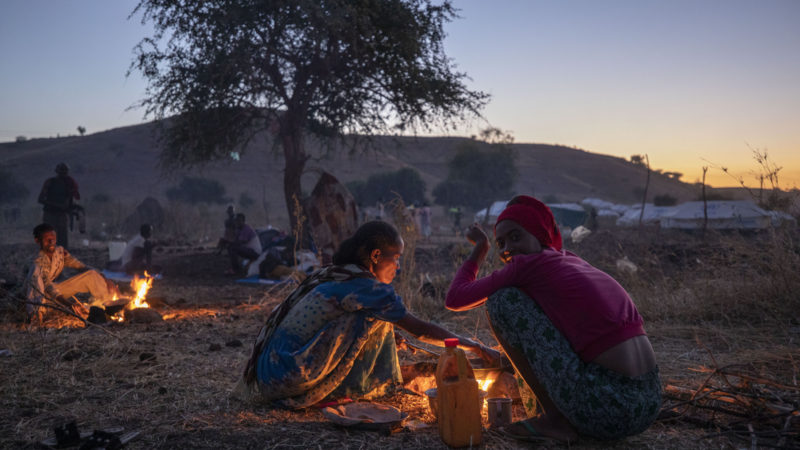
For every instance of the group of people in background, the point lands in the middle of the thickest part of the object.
(59, 196)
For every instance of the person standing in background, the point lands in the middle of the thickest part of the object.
(424, 215)
(57, 197)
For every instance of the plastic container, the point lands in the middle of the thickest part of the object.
(433, 402)
(116, 249)
(459, 407)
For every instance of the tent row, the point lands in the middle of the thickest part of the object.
(720, 215)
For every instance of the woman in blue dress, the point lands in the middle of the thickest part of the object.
(334, 335)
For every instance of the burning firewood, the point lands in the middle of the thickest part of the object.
(135, 310)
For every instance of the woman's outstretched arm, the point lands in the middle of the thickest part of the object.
(435, 335)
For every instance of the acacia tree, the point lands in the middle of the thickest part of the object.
(480, 172)
(223, 70)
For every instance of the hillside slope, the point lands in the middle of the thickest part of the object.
(123, 163)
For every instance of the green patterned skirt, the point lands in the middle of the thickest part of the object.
(597, 401)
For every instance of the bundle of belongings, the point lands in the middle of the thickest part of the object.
(280, 259)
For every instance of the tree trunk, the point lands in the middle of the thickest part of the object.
(295, 162)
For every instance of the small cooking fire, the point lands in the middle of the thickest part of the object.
(140, 286)
(486, 383)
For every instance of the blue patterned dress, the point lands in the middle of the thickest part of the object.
(337, 339)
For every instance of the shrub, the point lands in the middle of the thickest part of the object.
(101, 197)
(665, 200)
(198, 190)
(11, 189)
(478, 175)
(246, 201)
(406, 182)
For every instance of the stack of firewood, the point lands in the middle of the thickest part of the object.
(737, 402)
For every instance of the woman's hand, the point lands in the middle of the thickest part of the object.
(491, 356)
(476, 236)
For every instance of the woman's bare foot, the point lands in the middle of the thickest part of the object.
(542, 427)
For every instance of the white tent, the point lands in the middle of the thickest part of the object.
(782, 219)
(722, 215)
(494, 211)
(603, 205)
(607, 218)
(652, 215)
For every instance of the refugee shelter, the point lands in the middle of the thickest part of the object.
(722, 215)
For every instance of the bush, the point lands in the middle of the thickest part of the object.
(198, 190)
(406, 182)
(11, 189)
(665, 200)
(246, 201)
(101, 197)
(714, 196)
(478, 176)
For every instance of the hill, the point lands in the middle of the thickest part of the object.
(122, 164)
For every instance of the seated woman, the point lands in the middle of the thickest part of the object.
(334, 335)
(571, 331)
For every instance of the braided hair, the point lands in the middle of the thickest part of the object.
(372, 235)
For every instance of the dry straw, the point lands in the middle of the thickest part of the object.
(726, 302)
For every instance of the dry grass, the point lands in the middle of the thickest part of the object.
(171, 380)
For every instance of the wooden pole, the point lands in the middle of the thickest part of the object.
(646, 185)
(705, 202)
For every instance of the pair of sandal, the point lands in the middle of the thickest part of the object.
(67, 435)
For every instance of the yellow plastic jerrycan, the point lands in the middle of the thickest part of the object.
(458, 396)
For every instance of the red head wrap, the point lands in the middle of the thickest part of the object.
(535, 217)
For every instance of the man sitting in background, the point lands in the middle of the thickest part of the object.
(138, 255)
(246, 246)
(230, 229)
(48, 265)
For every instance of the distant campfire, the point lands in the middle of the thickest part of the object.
(136, 309)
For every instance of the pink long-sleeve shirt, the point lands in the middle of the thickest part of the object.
(589, 307)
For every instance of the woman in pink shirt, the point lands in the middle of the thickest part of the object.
(571, 331)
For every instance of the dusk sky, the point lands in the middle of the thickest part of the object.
(687, 82)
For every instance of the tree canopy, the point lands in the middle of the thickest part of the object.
(198, 190)
(406, 182)
(223, 70)
(478, 175)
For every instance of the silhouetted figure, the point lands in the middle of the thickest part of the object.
(229, 235)
(246, 246)
(58, 197)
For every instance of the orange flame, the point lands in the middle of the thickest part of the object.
(485, 383)
(141, 286)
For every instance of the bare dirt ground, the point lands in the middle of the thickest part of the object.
(171, 380)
